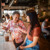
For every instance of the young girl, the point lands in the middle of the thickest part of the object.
(33, 32)
(14, 26)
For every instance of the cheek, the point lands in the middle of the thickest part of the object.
(16, 19)
(28, 20)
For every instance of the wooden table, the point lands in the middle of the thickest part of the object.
(6, 45)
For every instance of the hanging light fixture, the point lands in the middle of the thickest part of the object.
(15, 1)
(11, 3)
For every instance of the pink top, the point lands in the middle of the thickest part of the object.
(16, 34)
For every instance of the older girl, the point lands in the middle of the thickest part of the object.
(33, 32)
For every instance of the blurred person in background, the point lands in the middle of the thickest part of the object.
(3, 17)
(45, 27)
(24, 17)
(14, 26)
(7, 17)
(33, 32)
(38, 15)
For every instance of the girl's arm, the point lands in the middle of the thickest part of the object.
(22, 30)
(36, 34)
(35, 40)
(5, 23)
(22, 27)
(7, 27)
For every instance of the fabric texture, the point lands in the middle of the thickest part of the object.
(31, 48)
(16, 34)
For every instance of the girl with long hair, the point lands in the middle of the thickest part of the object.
(33, 32)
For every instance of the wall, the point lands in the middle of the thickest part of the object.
(0, 8)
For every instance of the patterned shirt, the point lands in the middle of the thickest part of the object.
(14, 28)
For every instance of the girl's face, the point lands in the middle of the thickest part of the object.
(28, 19)
(15, 17)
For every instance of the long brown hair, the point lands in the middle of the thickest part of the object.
(33, 19)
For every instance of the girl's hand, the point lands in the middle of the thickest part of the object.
(22, 47)
(3, 27)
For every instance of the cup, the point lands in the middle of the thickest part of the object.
(6, 38)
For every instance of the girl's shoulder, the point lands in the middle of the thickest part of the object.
(37, 28)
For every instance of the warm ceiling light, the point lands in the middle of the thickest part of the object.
(14, 1)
